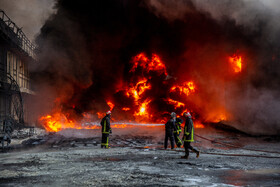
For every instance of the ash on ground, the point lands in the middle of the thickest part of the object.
(137, 158)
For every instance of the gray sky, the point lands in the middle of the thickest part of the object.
(28, 14)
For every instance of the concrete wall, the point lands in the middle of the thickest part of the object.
(18, 69)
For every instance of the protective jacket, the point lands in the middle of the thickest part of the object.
(177, 132)
(188, 130)
(178, 123)
(169, 129)
(105, 123)
(170, 126)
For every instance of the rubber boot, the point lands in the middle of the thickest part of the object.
(186, 154)
(197, 152)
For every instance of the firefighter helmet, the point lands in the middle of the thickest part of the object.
(173, 114)
(187, 114)
(108, 112)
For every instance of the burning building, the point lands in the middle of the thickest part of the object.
(145, 59)
(16, 55)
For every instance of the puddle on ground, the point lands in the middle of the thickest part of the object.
(99, 159)
(251, 177)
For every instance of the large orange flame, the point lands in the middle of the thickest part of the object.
(110, 104)
(137, 90)
(236, 63)
(219, 117)
(176, 104)
(185, 88)
(142, 111)
(58, 122)
(126, 109)
(198, 125)
(153, 64)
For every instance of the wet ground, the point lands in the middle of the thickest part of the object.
(136, 158)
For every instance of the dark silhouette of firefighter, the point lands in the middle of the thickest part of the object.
(7, 132)
(177, 132)
(188, 136)
(106, 130)
(169, 131)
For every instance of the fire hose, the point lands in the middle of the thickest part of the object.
(231, 145)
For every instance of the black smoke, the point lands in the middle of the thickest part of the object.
(86, 47)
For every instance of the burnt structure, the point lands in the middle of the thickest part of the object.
(16, 54)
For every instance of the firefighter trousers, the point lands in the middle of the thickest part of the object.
(169, 136)
(177, 140)
(105, 140)
(188, 147)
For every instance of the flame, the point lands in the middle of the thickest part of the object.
(185, 111)
(56, 122)
(111, 105)
(137, 90)
(100, 114)
(217, 115)
(198, 125)
(220, 117)
(126, 109)
(186, 88)
(153, 64)
(121, 126)
(59, 121)
(142, 111)
(236, 63)
(176, 104)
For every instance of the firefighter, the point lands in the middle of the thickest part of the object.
(169, 130)
(177, 132)
(188, 136)
(106, 130)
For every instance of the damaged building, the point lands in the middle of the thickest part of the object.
(16, 55)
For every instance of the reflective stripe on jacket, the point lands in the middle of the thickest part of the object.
(178, 123)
